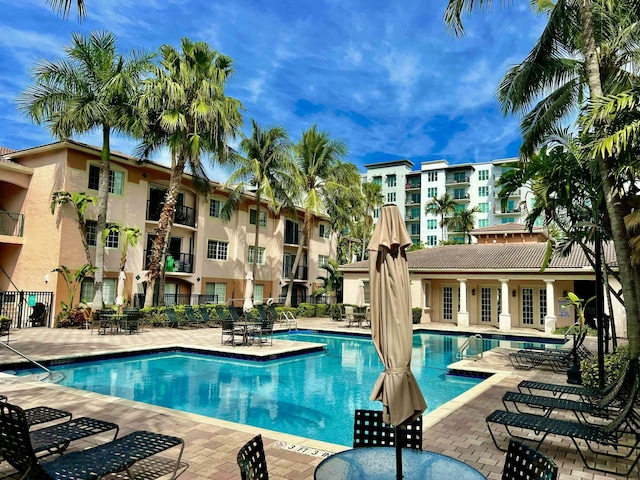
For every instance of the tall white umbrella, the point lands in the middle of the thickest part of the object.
(248, 293)
(120, 288)
(360, 297)
(391, 324)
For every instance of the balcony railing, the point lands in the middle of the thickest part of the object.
(292, 237)
(179, 262)
(457, 180)
(178, 299)
(410, 185)
(182, 216)
(505, 211)
(11, 224)
(303, 272)
(461, 197)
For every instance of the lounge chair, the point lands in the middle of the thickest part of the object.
(370, 431)
(5, 328)
(608, 439)
(222, 313)
(524, 462)
(172, 317)
(207, 320)
(18, 447)
(252, 460)
(193, 320)
(39, 415)
(557, 359)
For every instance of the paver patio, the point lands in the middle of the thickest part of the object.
(456, 429)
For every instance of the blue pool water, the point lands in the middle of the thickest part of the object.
(312, 395)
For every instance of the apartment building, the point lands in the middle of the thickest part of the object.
(470, 185)
(210, 258)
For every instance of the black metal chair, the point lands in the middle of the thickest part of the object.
(5, 328)
(132, 324)
(252, 460)
(38, 317)
(369, 430)
(526, 463)
(17, 447)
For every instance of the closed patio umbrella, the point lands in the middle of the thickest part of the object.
(120, 289)
(391, 324)
(360, 297)
(248, 293)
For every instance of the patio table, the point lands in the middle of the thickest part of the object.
(246, 325)
(379, 463)
(112, 321)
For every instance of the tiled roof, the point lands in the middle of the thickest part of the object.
(493, 257)
(4, 151)
(506, 228)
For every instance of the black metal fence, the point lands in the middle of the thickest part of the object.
(177, 299)
(27, 309)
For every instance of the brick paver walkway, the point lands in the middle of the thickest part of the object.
(457, 429)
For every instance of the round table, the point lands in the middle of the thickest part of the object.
(379, 463)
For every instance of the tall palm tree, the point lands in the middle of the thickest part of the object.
(79, 202)
(265, 166)
(94, 88)
(441, 207)
(187, 110)
(64, 7)
(463, 221)
(373, 199)
(318, 160)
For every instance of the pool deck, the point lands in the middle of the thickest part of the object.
(456, 429)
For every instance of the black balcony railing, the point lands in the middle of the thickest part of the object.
(303, 272)
(11, 224)
(182, 216)
(292, 237)
(176, 262)
(177, 299)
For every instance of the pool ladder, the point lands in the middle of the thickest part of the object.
(476, 342)
(49, 377)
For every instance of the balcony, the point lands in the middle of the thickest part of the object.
(505, 211)
(303, 272)
(412, 186)
(292, 237)
(182, 216)
(179, 263)
(458, 180)
(516, 193)
(461, 198)
(412, 201)
(412, 218)
(11, 224)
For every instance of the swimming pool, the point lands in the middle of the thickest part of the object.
(313, 395)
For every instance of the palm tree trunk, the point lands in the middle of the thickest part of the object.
(82, 226)
(103, 202)
(308, 216)
(255, 242)
(613, 201)
(163, 234)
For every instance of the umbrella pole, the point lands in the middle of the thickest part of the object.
(398, 433)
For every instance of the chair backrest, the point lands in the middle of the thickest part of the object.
(524, 462)
(15, 442)
(233, 311)
(39, 310)
(273, 312)
(222, 315)
(252, 460)
(5, 326)
(348, 313)
(369, 430)
(263, 315)
(204, 313)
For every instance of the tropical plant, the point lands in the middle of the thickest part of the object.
(79, 202)
(441, 207)
(63, 7)
(185, 109)
(372, 193)
(130, 237)
(94, 88)
(463, 221)
(344, 208)
(267, 169)
(320, 168)
(332, 283)
(72, 281)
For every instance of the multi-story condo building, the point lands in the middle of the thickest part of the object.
(470, 185)
(211, 258)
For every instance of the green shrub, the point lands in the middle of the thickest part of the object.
(591, 332)
(306, 310)
(321, 309)
(613, 365)
(416, 314)
(153, 316)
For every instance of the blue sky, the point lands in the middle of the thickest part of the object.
(386, 77)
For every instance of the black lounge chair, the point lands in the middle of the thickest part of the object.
(5, 328)
(39, 415)
(252, 460)
(558, 359)
(206, 318)
(524, 462)
(172, 317)
(608, 439)
(193, 320)
(17, 446)
(222, 313)
(558, 390)
(369, 430)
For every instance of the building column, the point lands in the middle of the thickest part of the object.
(463, 313)
(504, 318)
(550, 319)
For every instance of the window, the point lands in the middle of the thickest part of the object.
(414, 198)
(459, 193)
(460, 177)
(113, 239)
(484, 207)
(92, 229)
(432, 240)
(413, 214)
(217, 290)
(252, 256)
(483, 175)
(459, 208)
(483, 222)
(258, 294)
(483, 191)
(432, 192)
(391, 180)
(432, 224)
(108, 291)
(322, 260)
(376, 212)
(214, 208)
(324, 231)
(377, 180)
(263, 218)
(508, 220)
(432, 176)
(217, 250)
(391, 197)
(116, 180)
(415, 229)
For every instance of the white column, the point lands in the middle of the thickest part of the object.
(504, 318)
(550, 319)
(463, 313)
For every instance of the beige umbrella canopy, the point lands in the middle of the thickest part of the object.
(391, 322)
(248, 293)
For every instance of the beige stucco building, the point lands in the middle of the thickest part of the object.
(211, 257)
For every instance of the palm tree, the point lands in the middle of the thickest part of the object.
(441, 207)
(64, 7)
(318, 160)
(597, 31)
(463, 221)
(186, 109)
(131, 236)
(373, 199)
(267, 169)
(94, 88)
(80, 202)
(332, 283)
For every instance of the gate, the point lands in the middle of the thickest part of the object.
(27, 309)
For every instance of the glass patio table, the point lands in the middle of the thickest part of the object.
(379, 463)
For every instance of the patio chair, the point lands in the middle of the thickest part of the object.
(236, 313)
(172, 317)
(369, 430)
(17, 446)
(132, 323)
(38, 317)
(557, 359)
(252, 460)
(349, 315)
(5, 328)
(230, 332)
(192, 318)
(558, 390)
(222, 313)
(264, 333)
(524, 462)
(206, 319)
(39, 415)
(607, 439)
